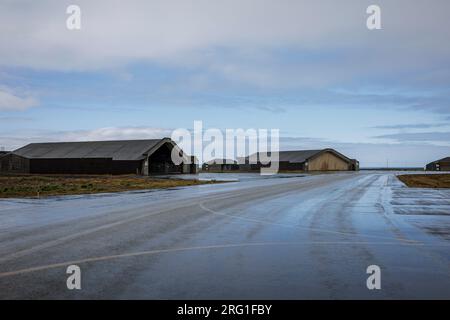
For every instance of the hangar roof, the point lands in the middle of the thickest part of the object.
(299, 156)
(447, 159)
(117, 150)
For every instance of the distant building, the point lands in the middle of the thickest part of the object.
(354, 166)
(220, 165)
(439, 165)
(144, 157)
(305, 160)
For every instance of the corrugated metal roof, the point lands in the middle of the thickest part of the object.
(294, 156)
(297, 156)
(117, 150)
(447, 159)
(300, 156)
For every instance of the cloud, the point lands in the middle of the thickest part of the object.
(412, 126)
(115, 133)
(16, 139)
(421, 99)
(11, 101)
(260, 42)
(418, 136)
(16, 119)
(287, 54)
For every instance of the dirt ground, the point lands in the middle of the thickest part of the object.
(39, 185)
(426, 180)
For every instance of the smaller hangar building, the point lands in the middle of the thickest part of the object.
(144, 157)
(307, 160)
(439, 165)
(219, 165)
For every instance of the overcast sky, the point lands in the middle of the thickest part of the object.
(139, 69)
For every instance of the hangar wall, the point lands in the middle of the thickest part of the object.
(12, 163)
(71, 166)
(126, 167)
(327, 161)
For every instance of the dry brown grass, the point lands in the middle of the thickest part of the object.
(38, 185)
(426, 180)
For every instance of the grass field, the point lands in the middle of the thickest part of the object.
(38, 186)
(426, 180)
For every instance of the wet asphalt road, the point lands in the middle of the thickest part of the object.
(260, 238)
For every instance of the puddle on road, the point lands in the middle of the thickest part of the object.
(427, 209)
(438, 230)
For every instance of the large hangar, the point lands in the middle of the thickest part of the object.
(306, 160)
(144, 157)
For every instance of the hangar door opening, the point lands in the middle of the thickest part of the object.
(160, 162)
